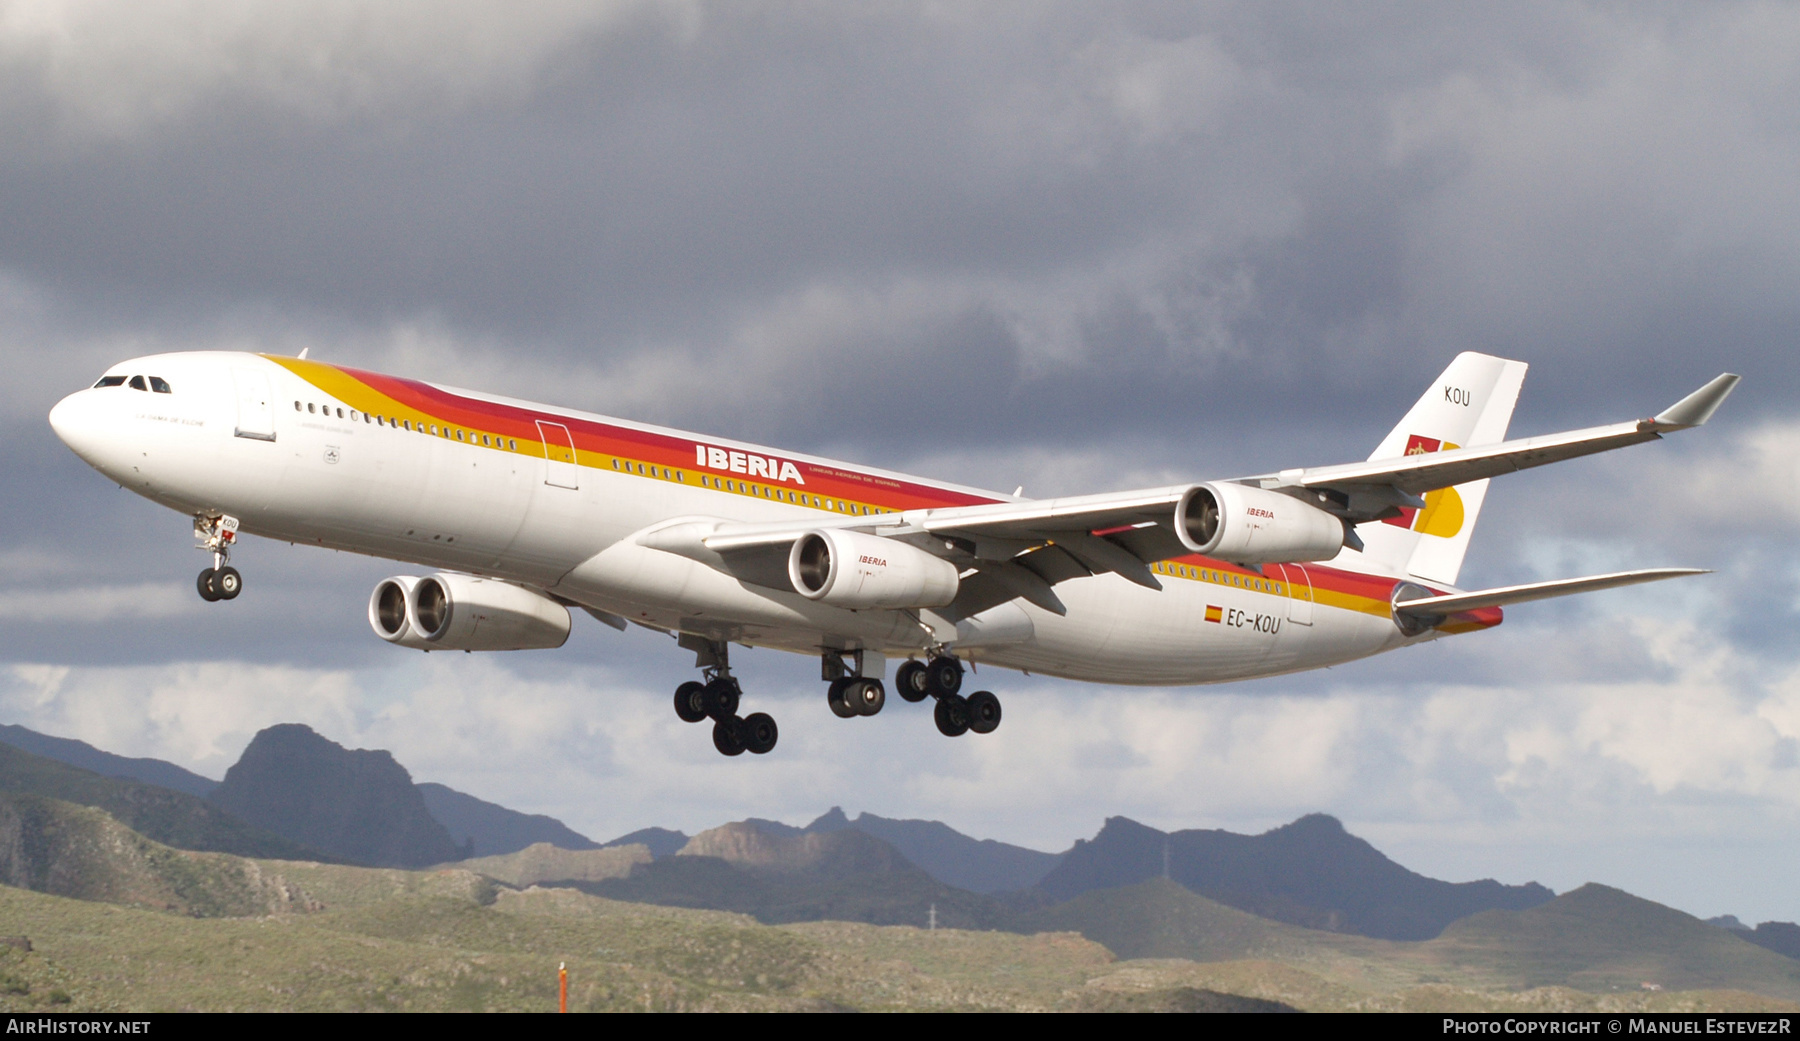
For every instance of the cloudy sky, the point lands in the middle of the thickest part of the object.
(1076, 247)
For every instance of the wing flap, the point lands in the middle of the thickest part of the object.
(1045, 518)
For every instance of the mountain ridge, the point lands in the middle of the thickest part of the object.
(357, 804)
(1311, 872)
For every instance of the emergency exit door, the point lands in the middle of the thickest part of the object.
(560, 470)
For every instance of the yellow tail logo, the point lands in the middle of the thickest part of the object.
(1443, 512)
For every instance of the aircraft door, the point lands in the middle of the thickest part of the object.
(1300, 593)
(255, 405)
(560, 470)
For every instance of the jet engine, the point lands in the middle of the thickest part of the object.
(449, 612)
(387, 611)
(1248, 525)
(856, 571)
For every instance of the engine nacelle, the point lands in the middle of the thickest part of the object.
(851, 570)
(1248, 525)
(387, 611)
(448, 612)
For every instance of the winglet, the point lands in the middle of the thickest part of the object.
(1697, 407)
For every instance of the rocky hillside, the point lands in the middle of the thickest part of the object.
(544, 863)
(355, 804)
(161, 814)
(77, 851)
(799, 877)
(1311, 873)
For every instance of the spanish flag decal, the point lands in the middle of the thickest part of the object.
(1213, 614)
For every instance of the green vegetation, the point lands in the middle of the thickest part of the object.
(542, 862)
(77, 851)
(448, 941)
(1591, 945)
(117, 921)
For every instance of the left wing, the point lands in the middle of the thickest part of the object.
(1009, 550)
(1412, 475)
(1015, 549)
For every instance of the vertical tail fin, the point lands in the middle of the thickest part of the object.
(1470, 404)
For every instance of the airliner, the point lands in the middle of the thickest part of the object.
(519, 512)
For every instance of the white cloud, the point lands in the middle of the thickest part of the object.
(1577, 769)
(144, 600)
(198, 715)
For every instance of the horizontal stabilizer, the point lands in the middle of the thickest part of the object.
(1454, 602)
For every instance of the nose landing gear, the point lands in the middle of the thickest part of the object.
(216, 534)
(717, 699)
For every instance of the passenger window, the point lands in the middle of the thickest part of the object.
(111, 381)
(340, 413)
(407, 423)
(459, 436)
(296, 406)
(160, 385)
(310, 407)
(514, 445)
(137, 383)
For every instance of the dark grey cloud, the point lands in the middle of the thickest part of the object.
(1208, 239)
(1080, 209)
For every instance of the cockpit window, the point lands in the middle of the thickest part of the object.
(160, 385)
(137, 383)
(111, 381)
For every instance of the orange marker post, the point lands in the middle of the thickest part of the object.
(562, 986)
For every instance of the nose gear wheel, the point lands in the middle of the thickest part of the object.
(217, 535)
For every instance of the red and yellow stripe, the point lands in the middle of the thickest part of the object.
(609, 446)
(837, 489)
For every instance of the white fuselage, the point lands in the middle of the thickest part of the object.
(557, 500)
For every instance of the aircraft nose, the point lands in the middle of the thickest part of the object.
(76, 423)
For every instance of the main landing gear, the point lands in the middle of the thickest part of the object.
(853, 691)
(216, 534)
(717, 699)
(941, 678)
